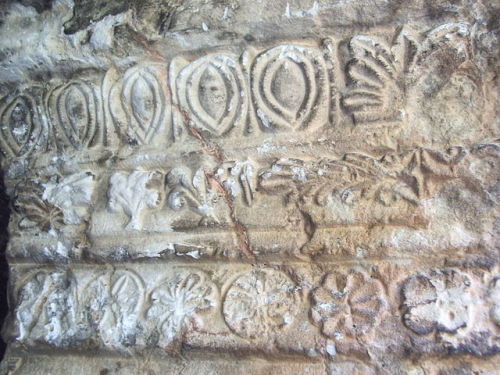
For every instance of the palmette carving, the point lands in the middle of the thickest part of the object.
(383, 75)
(133, 193)
(377, 75)
(213, 92)
(178, 303)
(260, 303)
(437, 302)
(289, 87)
(347, 305)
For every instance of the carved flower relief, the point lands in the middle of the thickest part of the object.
(440, 302)
(72, 194)
(47, 307)
(33, 210)
(494, 298)
(260, 302)
(50, 204)
(178, 303)
(133, 193)
(347, 304)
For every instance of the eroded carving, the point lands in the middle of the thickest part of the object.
(113, 305)
(494, 298)
(437, 302)
(46, 308)
(240, 179)
(48, 204)
(178, 303)
(260, 303)
(347, 305)
(20, 125)
(358, 188)
(192, 191)
(139, 105)
(33, 210)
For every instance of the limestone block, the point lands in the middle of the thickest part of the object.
(234, 187)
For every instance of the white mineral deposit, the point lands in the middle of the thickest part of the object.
(251, 187)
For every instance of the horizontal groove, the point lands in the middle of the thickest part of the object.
(262, 260)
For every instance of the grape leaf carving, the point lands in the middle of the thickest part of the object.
(133, 193)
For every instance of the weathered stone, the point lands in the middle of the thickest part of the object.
(268, 187)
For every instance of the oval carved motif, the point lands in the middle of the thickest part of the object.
(73, 108)
(140, 102)
(287, 85)
(20, 126)
(211, 89)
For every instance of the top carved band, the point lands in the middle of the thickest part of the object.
(286, 88)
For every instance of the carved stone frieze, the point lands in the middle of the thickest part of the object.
(285, 187)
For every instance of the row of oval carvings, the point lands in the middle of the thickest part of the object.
(287, 88)
(211, 91)
(346, 306)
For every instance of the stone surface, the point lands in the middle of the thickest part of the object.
(251, 186)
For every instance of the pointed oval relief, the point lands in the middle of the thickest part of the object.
(142, 97)
(289, 87)
(20, 126)
(143, 103)
(73, 108)
(212, 91)
(287, 84)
